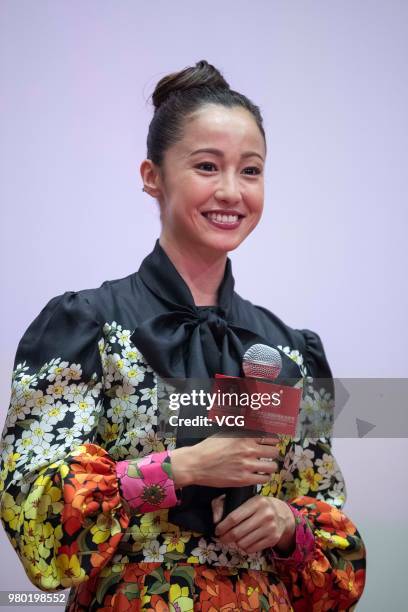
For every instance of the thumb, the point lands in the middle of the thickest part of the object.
(218, 508)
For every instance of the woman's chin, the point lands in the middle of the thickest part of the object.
(223, 245)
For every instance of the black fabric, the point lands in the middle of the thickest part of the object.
(182, 340)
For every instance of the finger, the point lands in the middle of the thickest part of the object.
(264, 467)
(234, 518)
(257, 546)
(250, 537)
(258, 478)
(267, 440)
(244, 530)
(266, 450)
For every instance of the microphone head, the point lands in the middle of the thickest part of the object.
(262, 361)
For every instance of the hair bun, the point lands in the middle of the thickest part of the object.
(202, 74)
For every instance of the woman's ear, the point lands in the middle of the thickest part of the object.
(151, 177)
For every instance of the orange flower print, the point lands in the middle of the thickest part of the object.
(350, 581)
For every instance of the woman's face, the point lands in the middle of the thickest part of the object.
(212, 181)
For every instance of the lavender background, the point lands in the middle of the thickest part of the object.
(331, 80)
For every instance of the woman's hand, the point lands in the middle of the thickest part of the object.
(260, 522)
(225, 462)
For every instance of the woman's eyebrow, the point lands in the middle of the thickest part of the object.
(221, 154)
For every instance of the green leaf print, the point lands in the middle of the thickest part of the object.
(105, 584)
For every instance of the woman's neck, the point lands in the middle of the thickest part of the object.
(203, 275)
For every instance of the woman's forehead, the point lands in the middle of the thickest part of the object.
(215, 125)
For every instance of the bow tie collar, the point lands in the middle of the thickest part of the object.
(180, 339)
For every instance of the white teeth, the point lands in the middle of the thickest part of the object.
(220, 218)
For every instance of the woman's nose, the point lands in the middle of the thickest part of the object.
(228, 189)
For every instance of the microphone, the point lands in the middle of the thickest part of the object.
(262, 361)
(259, 361)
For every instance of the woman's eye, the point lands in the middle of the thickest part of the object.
(209, 166)
(206, 166)
(255, 170)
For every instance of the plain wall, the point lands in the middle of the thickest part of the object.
(330, 251)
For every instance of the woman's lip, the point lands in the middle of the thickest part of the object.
(223, 212)
(224, 226)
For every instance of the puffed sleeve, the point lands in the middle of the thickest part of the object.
(328, 561)
(62, 503)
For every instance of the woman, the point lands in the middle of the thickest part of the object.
(92, 497)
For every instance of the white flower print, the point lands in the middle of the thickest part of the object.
(84, 405)
(51, 413)
(205, 551)
(42, 458)
(303, 458)
(150, 419)
(57, 388)
(73, 372)
(309, 407)
(69, 434)
(117, 411)
(130, 437)
(324, 401)
(18, 407)
(149, 394)
(123, 337)
(124, 405)
(338, 493)
(109, 371)
(25, 444)
(324, 484)
(285, 476)
(41, 433)
(38, 401)
(223, 561)
(230, 555)
(28, 381)
(295, 355)
(132, 354)
(119, 362)
(254, 560)
(303, 441)
(229, 558)
(138, 412)
(35, 439)
(133, 373)
(125, 392)
(57, 370)
(327, 465)
(85, 421)
(110, 331)
(74, 392)
(7, 444)
(151, 443)
(154, 552)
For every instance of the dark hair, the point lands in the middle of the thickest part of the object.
(179, 94)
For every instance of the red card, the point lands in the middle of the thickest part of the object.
(266, 407)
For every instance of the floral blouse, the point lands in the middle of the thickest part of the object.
(86, 481)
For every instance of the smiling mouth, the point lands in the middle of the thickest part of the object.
(225, 218)
(223, 221)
